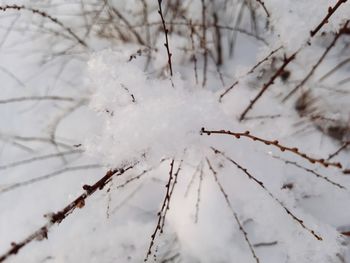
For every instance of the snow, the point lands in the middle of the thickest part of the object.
(126, 109)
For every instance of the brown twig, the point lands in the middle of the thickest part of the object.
(310, 171)
(204, 43)
(343, 147)
(307, 77)
(261, 184)
(128, 25)
(48, 176)
(331, 11)
(161, 213)
(198, 200)
(264, 7)
(235, 215)
(176, 174)
(249, 72)
(276, 144)
(45, 15)
(59, 216)
(166, 44)
(217, 40)
(280, 70)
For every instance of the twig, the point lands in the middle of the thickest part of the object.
(343, 147)
(310, 171)
(249, 72)
(128, 25)
(166, 44)
(45, 15)
(235, 215)
(331, 45)
(35, 98)
(199, 166)
(261, 184)
(264, 7)
(38, 158)
(198, 195)
(204, 43)
(331, 11)
(268, 84)
(161, 213)
(59, 216)
(329, 73)
(171, 193)
(276, 144)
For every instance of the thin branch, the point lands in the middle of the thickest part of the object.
(166, 44)
(264, 7)
(59, 216)
(307, 77)
(276, 144)
(268, 84)
(128, 25)
(38, 158)
(36, 98)
(45, 15)
(331, 11)
(198, 195)
(48, 176)
(261, 184)
(343, 147)
(249, 72)
(161, 213)
(310, 171)
(235, 215)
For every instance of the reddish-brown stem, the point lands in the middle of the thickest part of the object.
(235, 215)
(161, 213)
(45, 15)
(268, 84)
(307, 77)
(249, 72)
(166, 44)
(274, 143)
(261, 184)
(331, 11)
(59, 216)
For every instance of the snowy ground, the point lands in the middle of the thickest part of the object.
(82, 110)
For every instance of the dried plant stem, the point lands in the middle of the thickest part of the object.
(48, 176)
(249, 72)
(261, 184)
(310, 171)
(343, 147)
(59, 216)
(161, 214)
(38, 158)
(128, 25)
(45, 15)
(198, 200)
(204, 44)
(307, 77)
(166, 44)
(331, 11)
(268, 84)
(264, 7)
(235, 215)
(35, 98)
(276, 144)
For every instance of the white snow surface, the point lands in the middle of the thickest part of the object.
(125, 109)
